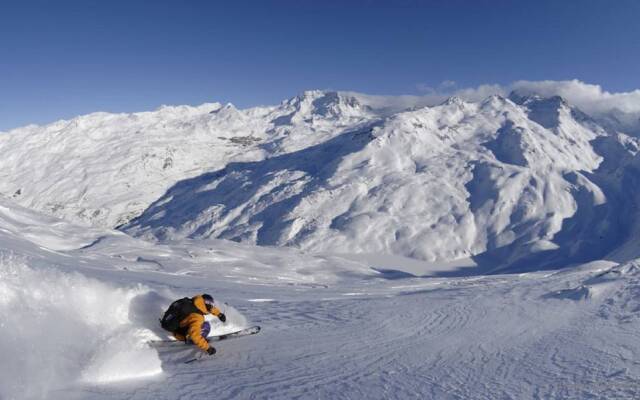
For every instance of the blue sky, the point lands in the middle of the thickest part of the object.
(63, 58)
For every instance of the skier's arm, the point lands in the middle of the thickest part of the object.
(216, 312)
(195, 329)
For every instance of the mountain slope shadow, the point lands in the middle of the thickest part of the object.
(247, 200)
(593, 232)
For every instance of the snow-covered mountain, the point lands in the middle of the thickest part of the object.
(136, 157)
(516, 179)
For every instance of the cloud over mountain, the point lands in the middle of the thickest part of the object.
(588, 97)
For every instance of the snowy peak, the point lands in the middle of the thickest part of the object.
(185, 111)
(544, 111)
(317, 104)
(520, 97)
(228, 109)
(454, 100)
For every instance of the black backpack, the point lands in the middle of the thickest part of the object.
(178, 310)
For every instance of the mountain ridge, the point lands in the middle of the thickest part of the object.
(325, 171)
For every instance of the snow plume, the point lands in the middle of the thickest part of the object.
(235, 321)
(61, 327)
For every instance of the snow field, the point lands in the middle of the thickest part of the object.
(510, 336)
(333, 331)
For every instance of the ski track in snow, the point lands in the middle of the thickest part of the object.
(456, 340)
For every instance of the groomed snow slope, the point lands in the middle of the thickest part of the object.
(77, 307)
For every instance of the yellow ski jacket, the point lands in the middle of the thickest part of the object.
(192, 324)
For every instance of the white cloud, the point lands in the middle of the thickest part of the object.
(432, 96)
(448, 84)
(425, 88)
(480, 93)
(588, 97)
(443, 87)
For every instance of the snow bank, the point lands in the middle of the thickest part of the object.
(59, 328)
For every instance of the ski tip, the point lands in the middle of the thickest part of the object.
(253, 329)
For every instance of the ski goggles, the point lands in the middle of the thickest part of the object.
(209, 304)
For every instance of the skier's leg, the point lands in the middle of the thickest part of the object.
(204, 331)
(206, 328)
(181, 335)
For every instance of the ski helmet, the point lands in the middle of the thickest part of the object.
(208, 300)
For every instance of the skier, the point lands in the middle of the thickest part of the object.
(185, 320)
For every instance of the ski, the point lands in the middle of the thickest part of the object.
(242, 332)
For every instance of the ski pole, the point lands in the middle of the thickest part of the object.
(196, 358)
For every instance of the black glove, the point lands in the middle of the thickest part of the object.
(222, 317)
(211, 351)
